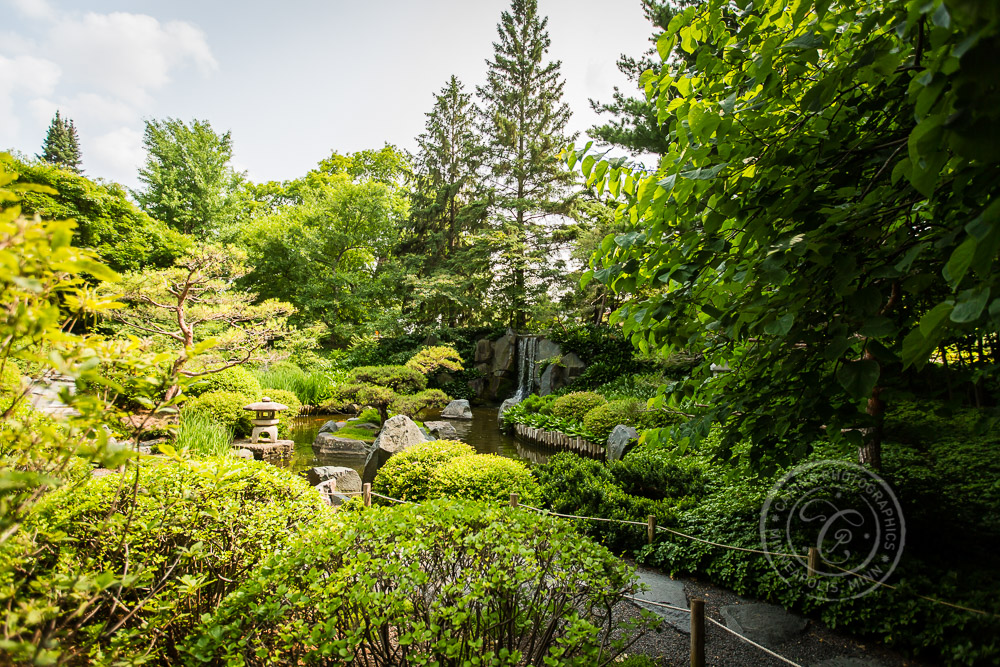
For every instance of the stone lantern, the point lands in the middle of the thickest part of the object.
(266, 421)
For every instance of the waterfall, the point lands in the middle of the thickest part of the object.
(527, 348)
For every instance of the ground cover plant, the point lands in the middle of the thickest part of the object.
(441, 583)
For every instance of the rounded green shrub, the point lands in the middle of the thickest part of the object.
(603, 419)
(225, 408)
(448, 577)
(285, 417)
(236, 379)
(577, 404)
(400, 379)
(485, 477)
(155, 560)
(658, 419)
(407, 474)
(541, 404)
(428, 399)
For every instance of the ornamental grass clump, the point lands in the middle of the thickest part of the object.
(443, 583)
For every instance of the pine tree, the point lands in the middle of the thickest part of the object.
(523, 121)
(62, 145)
(447, 209)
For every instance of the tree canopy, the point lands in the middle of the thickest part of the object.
(62, 145)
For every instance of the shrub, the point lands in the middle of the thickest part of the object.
(198, 434)
(428, 399)
(655, 474)
(539, 404)
(602, 420)
(407, 474)
(442, 583)
(10, 383)
(184, 541)
(237, 380)
(400, 379)
(485, 477)
(224, 408)
(577, 404)
(370, 416)
(432, 359)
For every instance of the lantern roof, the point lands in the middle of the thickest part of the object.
(265, 404)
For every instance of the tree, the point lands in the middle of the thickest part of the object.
(448, 208)
(523, 123)
(827, 214)
(194, 306)
(62, 145)
(188, 181)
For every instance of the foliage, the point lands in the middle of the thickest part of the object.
(576, 405)
(312, 388)
(224, 408)
(235, 379)
(484, 477)
(356, 433)
(178, 536)
(548, 422)
(430, 360)
(123, 236)
(286, 418)
(62, 145)
(603, 419)
(370, 416)
(609, 355)
(412, 405)
(827, 167)
(540, 404)
(187, 180)
(442, 583)
(523, 123)
(401, 379)
(193, 306)
(199, 434)
(407, 475)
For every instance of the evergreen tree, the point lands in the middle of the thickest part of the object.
(523, 122)
(62, 145)
(448, 208)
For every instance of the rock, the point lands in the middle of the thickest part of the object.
(621, 441)
(504, 407)
(484, 350)
(484, 369)
(668, 591)
(243, 453)
(765, 624)
(573, 366)
(331, 426)
(546, 350)
(97, 473)
(459, 409)
(549, 380)
(328, 443)
(445, 378)
(398, 433)
(427, 435)
(443, 430)
(368, 426)
(501, 385)
(345, 480)
(504, 351)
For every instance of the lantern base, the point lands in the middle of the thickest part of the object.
(273, 452)
(270, 431)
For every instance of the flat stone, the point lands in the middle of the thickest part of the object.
(766, 624)
(344, 480)
(847, 662)
(328, 443)
(621, 441)
(443, 430)
(665, 590)
(267, 451)
(243, 453)
(368, 426)
(331, 426)
(459, 409)
(398, 433)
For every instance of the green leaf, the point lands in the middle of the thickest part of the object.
(960, 261)
(877, 327)
(858, 377)
(781, 325)
(664, 45)
(931, 320)
(970, 305)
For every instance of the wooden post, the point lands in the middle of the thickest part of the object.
(513, 500)
(697, 632)
(366, 494)
(812, 566)
(650, 528)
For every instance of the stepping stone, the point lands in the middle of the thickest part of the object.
(847, 662)
(667, 591)
(766, 624)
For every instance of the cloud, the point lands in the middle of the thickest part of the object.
(23, 79)
(34, 9)
(118, 151)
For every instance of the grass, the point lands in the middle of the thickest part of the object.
(354, 433)
(199, 435)
(310, 388)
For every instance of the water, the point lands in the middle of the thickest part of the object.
(481, 432)
(527, 349)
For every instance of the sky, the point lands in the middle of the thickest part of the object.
(293, 80)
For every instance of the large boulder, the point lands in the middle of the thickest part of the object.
(331, 426)
(549, 380)
(459, 409)
(398, 433)
(621, 441)
(573, 366)
(504, 351)
(484, 350)
(504, 407)
(546, 350)
(328, 443)
(345, 480)
(443, 430)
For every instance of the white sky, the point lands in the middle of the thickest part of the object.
(292, 80)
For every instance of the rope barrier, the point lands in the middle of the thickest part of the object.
(753, 643)
(395, 500)
(657, 604)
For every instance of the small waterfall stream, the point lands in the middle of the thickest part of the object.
(527, 349)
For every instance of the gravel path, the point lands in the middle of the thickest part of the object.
(814, 646)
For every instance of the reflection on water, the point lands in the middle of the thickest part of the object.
(481, 432)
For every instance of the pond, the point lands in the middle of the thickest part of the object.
(481, 432)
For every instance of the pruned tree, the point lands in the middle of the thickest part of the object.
(195, 306)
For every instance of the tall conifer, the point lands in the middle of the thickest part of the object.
(523, 122)
(62, 145)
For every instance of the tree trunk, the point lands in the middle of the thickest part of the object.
(870, 452)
